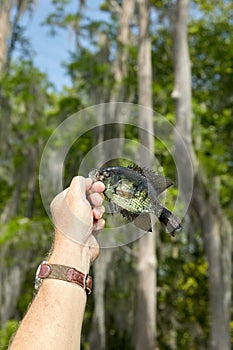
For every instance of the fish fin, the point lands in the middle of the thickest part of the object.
(113, 208)
(159, 182)
(170, 221)
(142, 221)
(136, 168)
(128, 215)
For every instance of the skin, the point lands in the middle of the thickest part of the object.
(54, 319)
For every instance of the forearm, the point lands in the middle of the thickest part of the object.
(54, 319)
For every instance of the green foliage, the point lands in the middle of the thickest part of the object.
(26, 97)
(30, 111)
(120, 324)
(88, 71)
(6, 333)
(23, 231)
(211, 55)
(182, 295)
(163, 82)
(59, 18)
(25, 91)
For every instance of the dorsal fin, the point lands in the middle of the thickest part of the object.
(136, 168)
(159, 182)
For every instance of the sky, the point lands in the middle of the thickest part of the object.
(51, 51)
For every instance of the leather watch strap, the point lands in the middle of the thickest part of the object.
(65, 273)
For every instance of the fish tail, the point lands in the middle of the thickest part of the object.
(170, 221)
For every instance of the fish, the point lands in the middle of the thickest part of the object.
(133, 191)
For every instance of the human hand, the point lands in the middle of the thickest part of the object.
(77, 216)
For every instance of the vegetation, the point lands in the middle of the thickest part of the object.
(103, 68)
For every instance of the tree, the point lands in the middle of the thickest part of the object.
(215, 228)
(107, 131)
(5, 8)
(146, 300)
(10, 29)
(20, 156)
(109, 65)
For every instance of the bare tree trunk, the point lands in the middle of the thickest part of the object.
(146, 301)
(120, 67)
(9, 29)
(5, 28)
(215, 227)
(98, 331)
(217, 235)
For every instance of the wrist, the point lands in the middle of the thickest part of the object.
(70, 253)
(52, 271)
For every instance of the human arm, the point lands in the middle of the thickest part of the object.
(54, 319)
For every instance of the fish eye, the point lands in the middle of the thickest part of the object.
(106, 173)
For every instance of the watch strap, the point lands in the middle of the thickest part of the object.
(64, 273)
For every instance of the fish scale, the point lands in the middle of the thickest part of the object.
(136, 205)
(134, 192)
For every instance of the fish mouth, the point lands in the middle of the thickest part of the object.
(98, 174)
(94, 174)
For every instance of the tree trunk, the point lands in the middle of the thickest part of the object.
(217, 235)
(107, 131)
(146, 301)
(9, 29)
(215, 227)
(123, 38)
(5, 28)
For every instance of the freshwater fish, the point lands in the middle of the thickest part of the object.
(133, 191)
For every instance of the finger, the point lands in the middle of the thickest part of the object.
(96, 199)
(98, 225)
(98, 212)
(97, 187)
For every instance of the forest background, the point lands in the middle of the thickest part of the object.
(188, 75)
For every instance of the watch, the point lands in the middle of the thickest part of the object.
(64, 273)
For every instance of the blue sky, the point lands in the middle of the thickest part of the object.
(52, 51)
